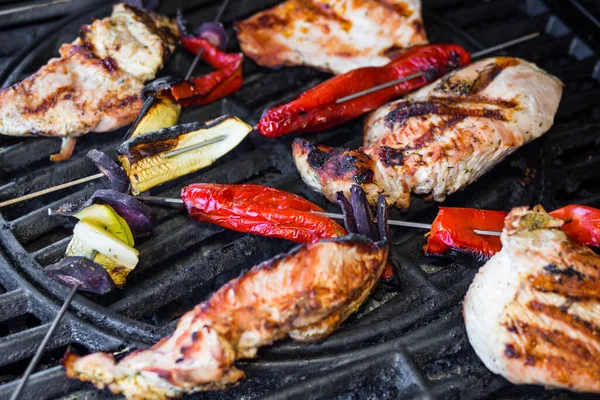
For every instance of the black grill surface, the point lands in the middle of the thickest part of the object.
(405, 342)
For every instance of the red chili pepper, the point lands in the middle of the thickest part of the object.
(582, 223)
(260, 210)
(206, 89)
(453, 229)
(316, 109)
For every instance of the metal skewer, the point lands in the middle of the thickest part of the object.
(418, 74)
(199, 54)
(418, 225)
(40, 350)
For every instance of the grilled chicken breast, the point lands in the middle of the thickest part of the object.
(442, 137)
(305, 294)
(532, 313)
(95, 85)
(332, 35)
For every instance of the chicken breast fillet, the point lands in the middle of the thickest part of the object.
(332, 35)
(532, 311)
(440, 138)
(304, 294)
(96, 84)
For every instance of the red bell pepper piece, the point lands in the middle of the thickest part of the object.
(316, 109)
(263, 211)
(260, 210)
(582, 223)
(206, 89)
(453, 229)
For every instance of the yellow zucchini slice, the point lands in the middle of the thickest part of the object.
(106, 244)
(104, 216)
(163, 113)
(144, 157)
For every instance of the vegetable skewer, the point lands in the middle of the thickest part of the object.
(350, 95)
(192, 147)
(418, 225)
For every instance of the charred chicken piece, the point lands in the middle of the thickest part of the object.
(305, 294)
(532, 311)
(442, 137)
(332, 35)
(96, 84)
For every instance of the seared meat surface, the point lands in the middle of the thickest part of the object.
(332, 35)
(440, 138)
(532, 313)
(304, 294)
(96, 84)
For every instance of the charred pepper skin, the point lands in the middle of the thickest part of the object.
(316, 109)
(225, 80)
(452, 229)
(259, 210)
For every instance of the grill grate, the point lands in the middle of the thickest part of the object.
(405, 342)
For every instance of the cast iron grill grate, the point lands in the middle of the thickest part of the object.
(404, 342)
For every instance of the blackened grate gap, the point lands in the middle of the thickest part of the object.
(49, 239)
(51, 358)
(18, 324)
(587, 188)
(453, 365)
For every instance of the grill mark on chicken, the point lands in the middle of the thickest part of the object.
(63, 92)
(416, 108)
(457, 86)
(567, 282)
(390, 156)
(574, 321)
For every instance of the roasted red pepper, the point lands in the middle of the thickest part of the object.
(260, 210)
(453, 229)
(206, 89)
(316, 109)
(582, 223)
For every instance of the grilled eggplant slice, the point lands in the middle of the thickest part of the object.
(145, 160)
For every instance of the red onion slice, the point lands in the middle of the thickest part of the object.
(115, 176)
(134, 212)
(213, 33)
(91, 277)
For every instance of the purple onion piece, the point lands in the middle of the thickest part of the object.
(362, 213)
(349, 220)
(134, 212)
(214, 33)
(383, 227)
(117, 178)
(91, 277)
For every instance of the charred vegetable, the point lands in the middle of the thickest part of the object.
(116, 179)
(136, 214)
(159, 111)
(90, 276)
(152, 158)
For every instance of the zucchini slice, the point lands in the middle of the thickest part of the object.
(163, 113)
(104, 216)
(143, 157)
(106, 244)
